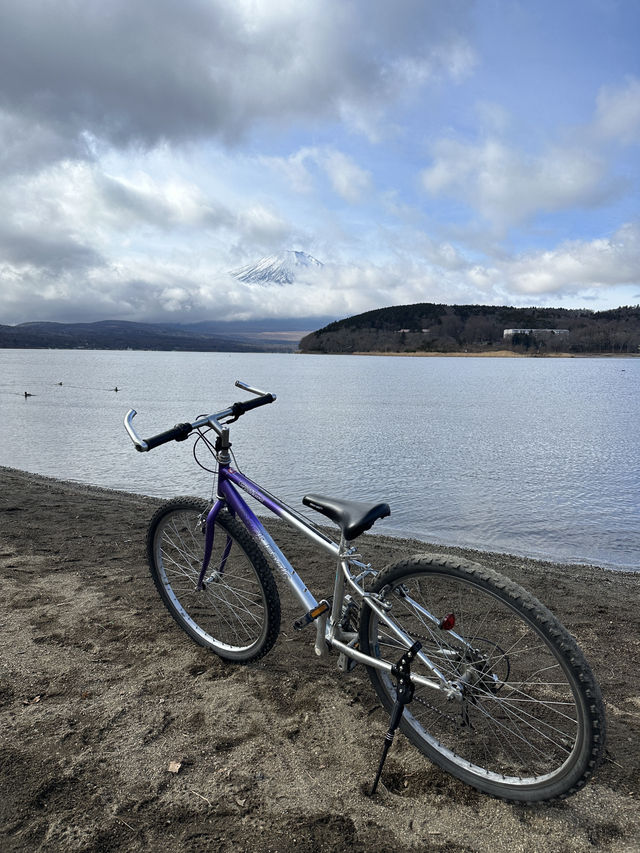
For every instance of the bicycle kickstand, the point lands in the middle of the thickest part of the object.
(404, 694)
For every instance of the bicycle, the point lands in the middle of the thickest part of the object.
(501, 696)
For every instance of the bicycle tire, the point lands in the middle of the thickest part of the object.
(531, 725)
(237, 613)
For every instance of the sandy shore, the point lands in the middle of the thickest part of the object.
(494, 354)
(100, 691)
(504, 353)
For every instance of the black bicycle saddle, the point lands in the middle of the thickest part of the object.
(353, 517)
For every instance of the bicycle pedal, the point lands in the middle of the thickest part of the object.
(311, 615)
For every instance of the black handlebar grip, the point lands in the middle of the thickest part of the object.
(240, 408)
(178, 433)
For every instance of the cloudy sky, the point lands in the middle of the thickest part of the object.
(424, 150)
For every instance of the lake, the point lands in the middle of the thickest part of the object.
(528, 456)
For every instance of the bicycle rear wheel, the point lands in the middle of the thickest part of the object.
(237, 613)
(531, 725)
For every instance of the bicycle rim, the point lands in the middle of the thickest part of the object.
(530, 725)
(236, 613)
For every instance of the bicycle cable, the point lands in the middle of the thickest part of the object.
(202, 436)
(210, 446)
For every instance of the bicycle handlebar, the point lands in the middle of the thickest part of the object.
(240, 408)
(182, 431)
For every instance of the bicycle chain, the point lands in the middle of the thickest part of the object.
(463, 720)
(455, 720)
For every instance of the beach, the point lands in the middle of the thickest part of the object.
(503, 353)
(117, 732)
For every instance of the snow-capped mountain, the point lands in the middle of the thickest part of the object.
(278, 269)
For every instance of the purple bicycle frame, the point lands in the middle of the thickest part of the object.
(228, 496)
(228, 479)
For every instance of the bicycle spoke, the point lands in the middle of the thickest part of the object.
(229, 612)
(516, 722)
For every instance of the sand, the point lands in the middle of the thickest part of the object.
(102, 696)
(503, 353)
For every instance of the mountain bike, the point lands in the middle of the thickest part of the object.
(473, 669)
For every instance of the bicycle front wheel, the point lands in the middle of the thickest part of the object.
(530, 725)
(237, 612)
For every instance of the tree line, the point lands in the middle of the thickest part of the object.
(431, 327)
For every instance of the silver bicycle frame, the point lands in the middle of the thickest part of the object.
(328, 631)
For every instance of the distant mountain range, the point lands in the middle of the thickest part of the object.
(117, 335)
(422, 327)
(285, 268)
(271, 335)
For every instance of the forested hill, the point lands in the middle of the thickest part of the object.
(428, 327)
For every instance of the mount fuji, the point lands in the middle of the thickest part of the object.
(284, 268)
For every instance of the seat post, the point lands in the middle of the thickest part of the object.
(338, 589)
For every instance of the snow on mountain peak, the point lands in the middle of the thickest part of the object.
(284, 268)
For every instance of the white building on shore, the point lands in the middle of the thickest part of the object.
(536, 333)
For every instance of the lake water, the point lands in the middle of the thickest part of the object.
(528, 456)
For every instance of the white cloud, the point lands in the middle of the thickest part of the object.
(145, 150)
(618, 112)
(134, 72)
(75, 201)
(74, 213)
(262, 226)
(294, 168)
(455, 59)
(577, 265)
(164, 288)
(347, 178)
(494, 118)
(508, 187)
(351, 182)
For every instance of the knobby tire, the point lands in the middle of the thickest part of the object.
(531, 725)
(237, 614)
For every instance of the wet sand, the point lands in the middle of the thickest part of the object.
(100, 692)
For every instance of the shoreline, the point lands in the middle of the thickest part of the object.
(100, 692)
(496, 354)
(407, 541)
(286, 351)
